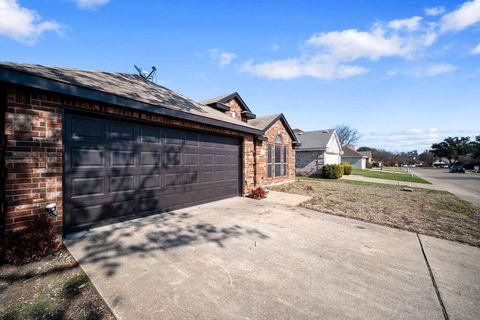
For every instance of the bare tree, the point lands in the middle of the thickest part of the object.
(347, 134)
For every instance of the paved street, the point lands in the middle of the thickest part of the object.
(466, 186)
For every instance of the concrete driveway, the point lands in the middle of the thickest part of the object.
(465, 186)
(247, 259)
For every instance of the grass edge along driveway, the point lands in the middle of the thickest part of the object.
(389, 175)
(429, 212)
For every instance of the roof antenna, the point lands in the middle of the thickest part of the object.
(144, 74)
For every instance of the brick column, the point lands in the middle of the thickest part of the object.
(33, 125)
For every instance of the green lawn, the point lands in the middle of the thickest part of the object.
(388, 175)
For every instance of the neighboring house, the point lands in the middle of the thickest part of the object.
(106, 147)
(369, 159)
(355, 158)
(316, 149)
(441, 163)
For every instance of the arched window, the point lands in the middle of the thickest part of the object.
(278, 139)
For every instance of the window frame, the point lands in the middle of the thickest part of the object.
(278, 165)
(269, 161)
(285, 161)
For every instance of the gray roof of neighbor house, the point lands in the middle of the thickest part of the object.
(128, 90)
(367, 154)
(315, 140)
(349, 152)
(265, 122)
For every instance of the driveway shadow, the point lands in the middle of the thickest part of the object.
(152, 234)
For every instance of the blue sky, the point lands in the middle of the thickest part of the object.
(405, 73)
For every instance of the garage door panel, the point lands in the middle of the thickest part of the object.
(173, 159)
(179, 179)
(122, 208)
(150, 135)
(120, 131)
(122, 184)
(151, 158)
(150, 181)
(174, 137)
(82, 187)
(85, 156)
(84, 129)
(84, 215)
(116, 170)
(122, 158)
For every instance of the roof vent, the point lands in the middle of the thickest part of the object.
(145, 75)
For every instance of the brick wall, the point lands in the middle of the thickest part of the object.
(235, 109)
(261, 155)
(33, 125)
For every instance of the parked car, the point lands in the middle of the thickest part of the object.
(457, 167)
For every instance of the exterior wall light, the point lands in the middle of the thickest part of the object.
(52, 209)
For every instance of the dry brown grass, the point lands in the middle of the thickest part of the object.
(52, 288)
(435, 213)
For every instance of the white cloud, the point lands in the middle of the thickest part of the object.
(329, 55)
(432, 70)
(23, 24)
(222, 57)
(465, 16)
(476, 50)
(317, 67)
(90, 4)
(438, 69)
(353, 44)
(435, 11)
(275, 47)
(336, 54)
(410, 24)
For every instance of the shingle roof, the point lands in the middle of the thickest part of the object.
(226, 97)
(315, 140)
(217, 99)
(349, 152)
(367, 154)
(263, 122)
(125, 85)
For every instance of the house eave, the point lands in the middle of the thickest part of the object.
(249, 115)
(219, 106)
(34, 81)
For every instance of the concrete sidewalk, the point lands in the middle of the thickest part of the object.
(394, 182)
(247, 259)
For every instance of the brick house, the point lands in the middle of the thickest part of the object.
(271, 148)
(106, 147)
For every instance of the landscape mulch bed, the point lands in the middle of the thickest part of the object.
(52, 288)
(429, 212)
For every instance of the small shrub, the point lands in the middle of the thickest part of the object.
(347, 168)
(332, 171)
(258, 193)
(32, 243)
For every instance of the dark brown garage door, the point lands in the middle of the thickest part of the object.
(120, 170)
